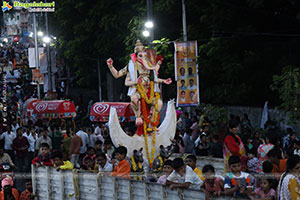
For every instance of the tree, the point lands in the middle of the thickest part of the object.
(287, 85)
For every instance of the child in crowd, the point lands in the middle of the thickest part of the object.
(167, 169)
(123, 167)
(98, 146)
(102, 162)
(252, 161)
(183, 176)
(237, 183)
(90, 154)
(43, 159)
(90, 165)
(212, 186)
(59, 164)
(27, 193)
(108, 149)
(279, 164)
(202, 146)
(297, 147)
(265, 191)
(191, 161)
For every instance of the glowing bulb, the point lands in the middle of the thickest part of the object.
(146, 33)
(40, 33)
(149, 24)
(46, 39)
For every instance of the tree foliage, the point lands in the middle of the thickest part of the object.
(288, 87)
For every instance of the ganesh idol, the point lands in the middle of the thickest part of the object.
(143, 82)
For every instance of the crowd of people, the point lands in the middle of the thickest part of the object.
(255, 167)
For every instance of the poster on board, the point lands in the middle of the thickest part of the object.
(186, 73)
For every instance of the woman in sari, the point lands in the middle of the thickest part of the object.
(263, 150)
(233, 145)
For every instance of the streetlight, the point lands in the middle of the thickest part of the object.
(46, 39)
(149, 24)
(40, 33)
(146, 33)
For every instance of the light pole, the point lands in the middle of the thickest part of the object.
(149, 22)
(47, 41)
(184, 21)
(37, 60)
(99, 76)
(99, 80)
(48, 52)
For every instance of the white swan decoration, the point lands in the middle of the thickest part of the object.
(164, 136)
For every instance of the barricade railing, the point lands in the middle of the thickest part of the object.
(63, 185)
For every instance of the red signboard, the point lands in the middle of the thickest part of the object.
(38, 109)
(100, 111)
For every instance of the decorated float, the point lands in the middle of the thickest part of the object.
(145, 94)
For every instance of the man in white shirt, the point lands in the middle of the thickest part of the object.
(8, 136)
(85, 143)
(31, 136)
(98, 129)
(43, 139)
(94, 136)
(183, 176)
(104, 165)
(14, 126)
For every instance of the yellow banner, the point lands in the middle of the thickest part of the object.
(186, 73)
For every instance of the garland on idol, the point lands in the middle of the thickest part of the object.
(145, 101)
(134, 164)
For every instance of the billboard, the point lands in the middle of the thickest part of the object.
(186, 73)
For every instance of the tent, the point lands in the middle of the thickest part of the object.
(100, 111)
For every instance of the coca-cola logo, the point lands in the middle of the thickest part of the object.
(41, 106)
(100, 108)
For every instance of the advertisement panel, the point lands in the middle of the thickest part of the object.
(186, 73)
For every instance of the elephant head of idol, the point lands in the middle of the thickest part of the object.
(147, 58)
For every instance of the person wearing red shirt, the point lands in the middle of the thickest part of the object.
(44, 158)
